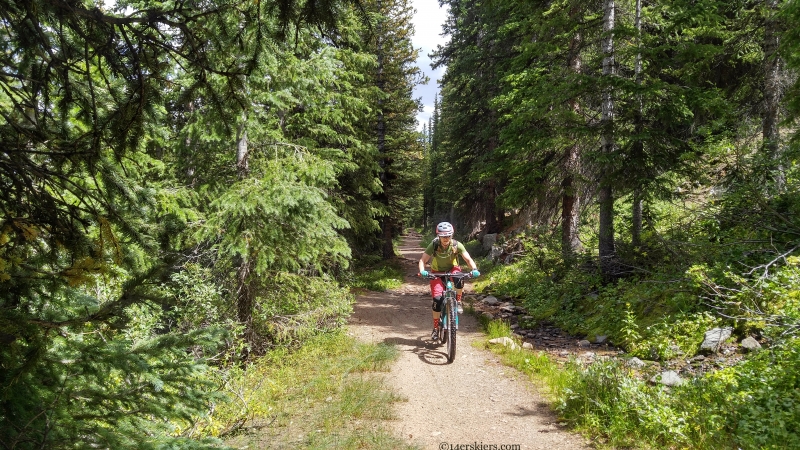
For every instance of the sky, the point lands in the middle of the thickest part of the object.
(427, 29)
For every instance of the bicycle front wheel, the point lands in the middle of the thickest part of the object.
(450, 332)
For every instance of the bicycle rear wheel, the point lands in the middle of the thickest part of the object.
(450, 332)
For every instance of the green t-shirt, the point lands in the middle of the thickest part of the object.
(443, 260)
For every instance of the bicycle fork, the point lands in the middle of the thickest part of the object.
(449, 296)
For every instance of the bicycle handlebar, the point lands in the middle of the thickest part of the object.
(458, 275)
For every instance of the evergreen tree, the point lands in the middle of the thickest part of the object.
(475, 56)
(92, 231)
(398, 148)
(607, 142)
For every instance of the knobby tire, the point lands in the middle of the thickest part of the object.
(450, 333)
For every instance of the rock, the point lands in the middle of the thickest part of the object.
(750, 344)
(528, 346)
(488, 241)
(563, 353)
(584, 343)
(714, 338)
(635, 363)
(496, 252)
(600, 339)
(667, 378)
(491, 301)
(505, 341)
(589, 355)
(527, 322)
(488, 316)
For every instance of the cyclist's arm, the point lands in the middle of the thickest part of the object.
(423, 260)
(468, 260)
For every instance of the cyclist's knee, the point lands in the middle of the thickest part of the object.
(437, 303)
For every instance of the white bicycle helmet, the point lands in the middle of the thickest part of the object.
(444, 229)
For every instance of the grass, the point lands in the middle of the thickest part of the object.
(327, 394)
(381, 277)
(547, 374)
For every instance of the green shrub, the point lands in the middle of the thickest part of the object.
(380, 278)
(474, 248)
(292, 308)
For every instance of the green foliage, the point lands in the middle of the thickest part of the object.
(662, 313)
(385, 276)
(127, 215)
(474, 248)
(603, 396)
(497, 328)
(109, 389)
(291, 309)
(426, 240)
(751, 405)
(280, 221)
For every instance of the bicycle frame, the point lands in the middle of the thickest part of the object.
(449, 318)
(449, 296)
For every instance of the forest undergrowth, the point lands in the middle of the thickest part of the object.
(712, 274)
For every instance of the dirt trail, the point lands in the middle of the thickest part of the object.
(492, 405)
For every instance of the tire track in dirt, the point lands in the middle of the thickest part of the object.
(473, 401)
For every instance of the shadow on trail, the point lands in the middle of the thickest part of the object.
(543, 410)
(425, 350)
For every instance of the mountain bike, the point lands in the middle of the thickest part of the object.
(449, 319)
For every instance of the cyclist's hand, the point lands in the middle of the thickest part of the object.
(424, 274)
(475, 273)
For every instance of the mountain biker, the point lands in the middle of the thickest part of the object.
(443, 254)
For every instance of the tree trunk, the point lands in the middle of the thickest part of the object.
(491, 213)
(241, 151)
(772, 92)
(387, 234)
(638, 146)
(244, 293)
(606, 195)
(244, 298)
(636, 229)
(570, 201)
